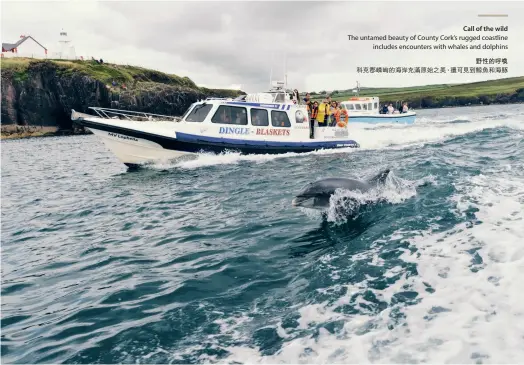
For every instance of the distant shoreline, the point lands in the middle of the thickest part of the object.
(499, 91)
(11, 131)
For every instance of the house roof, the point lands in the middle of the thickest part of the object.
(10, 46)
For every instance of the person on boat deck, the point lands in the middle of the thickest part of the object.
(335, 112)
(324, 112)
(385, 109)
(329, 114)
(390, 109)
(405, 107)
(307, 98)
(334, 109)
(330, 110)
(321, 113)
(314, 110)
(296, 96)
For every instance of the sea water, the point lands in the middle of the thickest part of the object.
(205, 260)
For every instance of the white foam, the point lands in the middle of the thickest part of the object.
(475, 312)
(423, 133)
(345, 203)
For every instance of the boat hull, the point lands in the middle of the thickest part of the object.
(134, 147)
(133, 150)
(406, 118)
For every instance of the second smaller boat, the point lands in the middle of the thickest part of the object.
(366, 110)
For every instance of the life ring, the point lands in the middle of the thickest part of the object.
(343, 121)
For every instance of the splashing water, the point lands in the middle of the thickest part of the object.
(395, 190)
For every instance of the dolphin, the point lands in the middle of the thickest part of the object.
(316, 195)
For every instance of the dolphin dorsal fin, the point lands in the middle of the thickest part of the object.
(380, 177)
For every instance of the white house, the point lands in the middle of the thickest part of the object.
(26, 46)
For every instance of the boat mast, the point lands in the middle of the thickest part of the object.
(271, 72)
(285, 72)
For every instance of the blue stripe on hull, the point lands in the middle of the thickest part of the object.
(243, 143)
(372, 119)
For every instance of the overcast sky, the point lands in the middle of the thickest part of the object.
(219, 44)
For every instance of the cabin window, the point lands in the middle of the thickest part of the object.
(279, 119)
(370, 106)
(376, 105)
(364, 106)
(226, 114)
(199, 113)
(259, 117)
(358, 107)
(350, 107)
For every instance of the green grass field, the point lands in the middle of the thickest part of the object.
(106, 72)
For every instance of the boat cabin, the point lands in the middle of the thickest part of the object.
(361, 105)
(244, 113)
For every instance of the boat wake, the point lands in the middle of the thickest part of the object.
(375, 137)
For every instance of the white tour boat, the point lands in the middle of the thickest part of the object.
(263, 123)
(366, 110)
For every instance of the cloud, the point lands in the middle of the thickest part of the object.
(218, 44)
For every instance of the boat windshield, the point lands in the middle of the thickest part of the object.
(279, 97)
(187, 111)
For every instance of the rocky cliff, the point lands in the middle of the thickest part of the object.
(42, 93)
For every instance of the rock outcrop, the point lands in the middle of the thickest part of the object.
(42, 93)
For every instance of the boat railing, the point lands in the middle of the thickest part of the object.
(216, 98)
(108, 113)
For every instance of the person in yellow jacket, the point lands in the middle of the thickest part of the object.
(323, 113)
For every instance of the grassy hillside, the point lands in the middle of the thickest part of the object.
(107, 73)
(426, 96)
(485, 92)
(39, 94)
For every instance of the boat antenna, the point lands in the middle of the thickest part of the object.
(271, 72)
(271, 77)
(285, 72)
